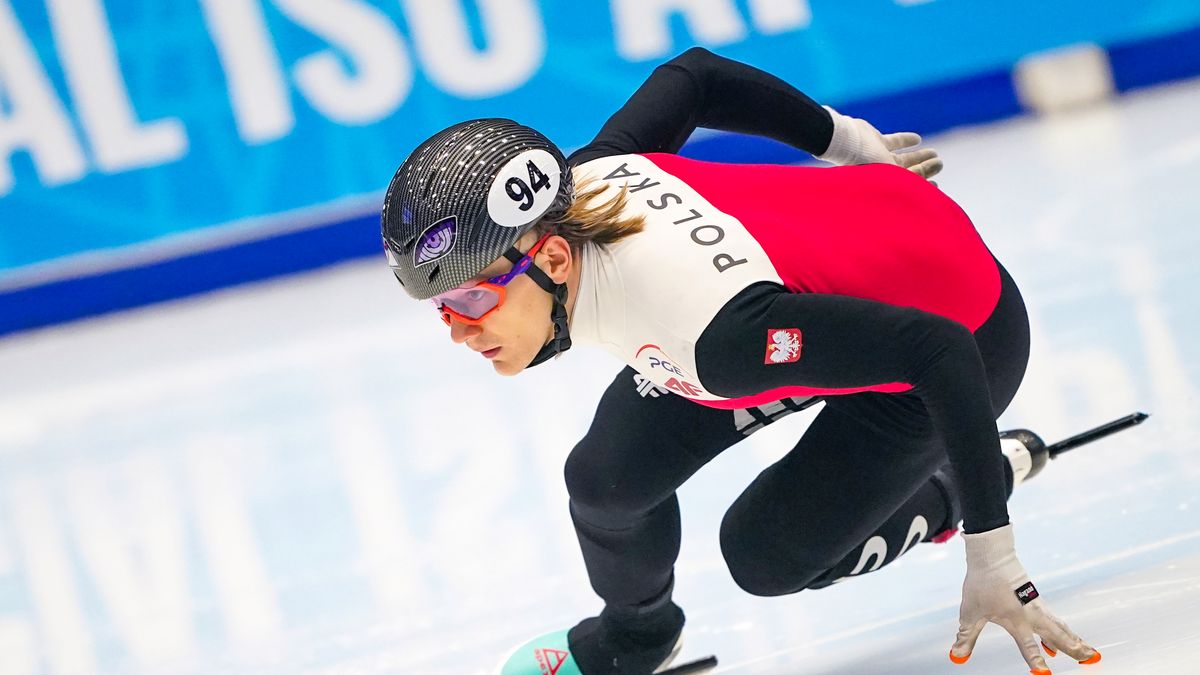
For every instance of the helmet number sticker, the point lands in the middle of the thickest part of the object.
(520, 191)
(524, 189)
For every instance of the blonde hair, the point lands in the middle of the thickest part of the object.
(602, 222)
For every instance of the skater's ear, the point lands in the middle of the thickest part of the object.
(556, 258)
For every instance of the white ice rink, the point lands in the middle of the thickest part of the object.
(306, 477)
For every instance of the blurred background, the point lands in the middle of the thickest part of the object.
(230, 443)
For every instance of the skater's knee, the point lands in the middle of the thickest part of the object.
(583, 481)
(755, 582)
(758, 564)
(598, 490)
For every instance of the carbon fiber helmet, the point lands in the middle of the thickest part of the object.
(464, 197)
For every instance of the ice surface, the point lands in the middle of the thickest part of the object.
(306, 477)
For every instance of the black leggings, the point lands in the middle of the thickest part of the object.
(853, 494)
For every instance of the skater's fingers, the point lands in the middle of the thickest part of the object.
(1022, 634)
(1050, 651)
(911, 159)
(924, 162)
(964, 642)
(1062, 625)
(901, 141)
(1052, 638)
(927, 169)
(1062, 639)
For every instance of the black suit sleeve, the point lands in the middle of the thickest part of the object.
(700, 89)
(850, 342)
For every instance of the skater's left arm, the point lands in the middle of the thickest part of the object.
(853, 343)
(847, 343)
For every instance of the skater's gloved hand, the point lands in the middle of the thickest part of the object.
(855, 141)
(997, 589)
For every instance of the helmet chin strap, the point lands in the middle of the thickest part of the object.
(561, 341)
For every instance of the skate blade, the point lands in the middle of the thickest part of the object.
(704, 665)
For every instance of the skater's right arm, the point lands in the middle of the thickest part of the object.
(701, 89)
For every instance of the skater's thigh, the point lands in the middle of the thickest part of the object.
(847, 475)
(1003, 342)
(643, 443)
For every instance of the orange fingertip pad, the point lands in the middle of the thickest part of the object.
(1094, 659)
(959, 659)
(1040, 671)
(1049, 650)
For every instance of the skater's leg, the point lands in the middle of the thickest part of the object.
(622, 479)
(643, 444)
(838, 488)
(931, 513)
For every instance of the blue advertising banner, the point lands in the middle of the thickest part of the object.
(143, 130)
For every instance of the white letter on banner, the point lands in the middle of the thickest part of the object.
(382, 72)
(772, 17)
(643, 30)
(516, 44)
(89, 59)
(261, 104)
(35, 119)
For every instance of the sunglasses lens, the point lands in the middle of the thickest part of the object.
(471, 302)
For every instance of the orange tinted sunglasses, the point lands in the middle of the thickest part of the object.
(472, 304)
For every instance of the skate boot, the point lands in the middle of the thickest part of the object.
(604, 645)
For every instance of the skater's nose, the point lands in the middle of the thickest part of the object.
(461, 332)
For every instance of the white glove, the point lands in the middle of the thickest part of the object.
(855, 141)
(998, 589)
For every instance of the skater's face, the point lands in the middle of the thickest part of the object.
(511, 335)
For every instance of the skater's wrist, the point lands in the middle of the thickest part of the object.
(991, 548)
(973, 528)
